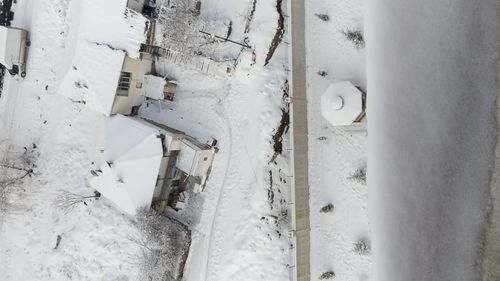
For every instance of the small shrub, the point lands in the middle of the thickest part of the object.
(362, 247)
(327, 209)
(323, 17)
(359, 175)
(322, 73)
(327, 275)
(356, 37)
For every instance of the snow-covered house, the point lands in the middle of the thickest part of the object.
(102, 47)
(131, 164)
(186, 163)
(130, 84)
(152, 163)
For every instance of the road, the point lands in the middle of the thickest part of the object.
(300, 136)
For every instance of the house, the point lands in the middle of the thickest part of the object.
(186, 163)
(94, 74)
(130, 165)
(153, 163)
(130, 83)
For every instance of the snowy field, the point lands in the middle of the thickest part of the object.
(338, 236)
(239, 224)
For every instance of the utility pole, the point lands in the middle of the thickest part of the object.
(225, 39)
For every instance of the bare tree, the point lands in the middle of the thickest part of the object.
(67, 201)
(162, 246)
(14, 169)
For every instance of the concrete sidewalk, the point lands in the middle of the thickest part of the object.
(300, 138)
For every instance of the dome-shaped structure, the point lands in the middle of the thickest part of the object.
(342, 104)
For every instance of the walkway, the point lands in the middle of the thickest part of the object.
(300, 135)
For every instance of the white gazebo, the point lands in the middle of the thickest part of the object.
(342, 104)
(133, 153)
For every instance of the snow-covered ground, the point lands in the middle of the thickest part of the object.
(433, 84)
(239, 224)
(335, 154)
(242, 233)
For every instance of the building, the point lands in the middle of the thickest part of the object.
(13, 49)
(186, 163)
(94, 74)
(152, 164)
(130, 84)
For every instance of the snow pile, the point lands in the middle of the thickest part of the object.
(133, 154)
(102, 34)
(433, 78)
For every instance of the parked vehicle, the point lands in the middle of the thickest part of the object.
(13, 49)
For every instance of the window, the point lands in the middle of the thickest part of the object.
(124, 83)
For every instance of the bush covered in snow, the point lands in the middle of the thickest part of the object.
(359, 175)
(362, 247)
(327, 275)
(356, 37)
(327, 208)
(323, 17)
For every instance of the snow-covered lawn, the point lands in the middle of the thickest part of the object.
(336, 154)
(240, 222)
(242, 233)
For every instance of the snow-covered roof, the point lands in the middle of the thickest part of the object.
(189, 148)
(103, 33)
(94, 76)
(188, 157)
(152, 87)
(341, 103)
(133, 154)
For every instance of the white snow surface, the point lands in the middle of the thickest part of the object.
(132, 153)
(335, 153)
(432, 76)
(238, 232)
